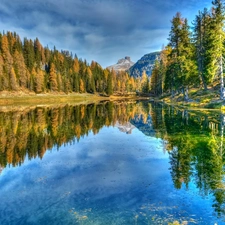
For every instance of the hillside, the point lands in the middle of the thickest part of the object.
(198, 97)
(28, 67)
(146, 64)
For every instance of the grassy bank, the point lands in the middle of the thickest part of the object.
(29, 98)
(205, 99)
(48, 98)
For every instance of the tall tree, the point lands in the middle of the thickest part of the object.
(144, 82)
(8, 60)
(20, 69)
(218, 18)
(182, 54)
(201, 42)
(12, 80)
(53, 78)
(109, 88)
(39, 81)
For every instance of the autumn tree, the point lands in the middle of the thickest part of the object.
(39, 81)
(144, 82)
(29, 65)
(53, 78)
(12, 80)
(8, 60)
(20, 69)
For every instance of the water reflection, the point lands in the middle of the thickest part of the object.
(149, 164)
(31, 132)
(195, 144)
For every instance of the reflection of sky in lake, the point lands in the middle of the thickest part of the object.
(108, 178)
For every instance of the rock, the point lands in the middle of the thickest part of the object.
(146, 64)
(122, 64)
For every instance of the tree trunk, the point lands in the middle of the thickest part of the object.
(200, 67)
(222, 124)
(204, 83)
(172, 93)
(185, 93)
(222, 91)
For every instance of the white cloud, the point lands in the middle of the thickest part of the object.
(94, 29)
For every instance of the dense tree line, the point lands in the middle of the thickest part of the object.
(194, 55)
(27, 65)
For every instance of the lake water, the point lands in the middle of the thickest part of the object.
(111, 163)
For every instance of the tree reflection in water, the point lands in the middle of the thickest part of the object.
(32, 131)
(196, 147)
(194, 140)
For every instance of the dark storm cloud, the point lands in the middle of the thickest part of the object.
(95, 29)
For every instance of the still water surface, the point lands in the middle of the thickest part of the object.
(111, 163)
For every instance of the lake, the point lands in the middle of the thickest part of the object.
(115, 163)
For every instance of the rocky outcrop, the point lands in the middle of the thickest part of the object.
(146, 64)
(122, 64)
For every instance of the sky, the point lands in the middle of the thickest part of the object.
(99, 30)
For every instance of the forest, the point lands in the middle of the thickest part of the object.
(28, 66)
(194, 56)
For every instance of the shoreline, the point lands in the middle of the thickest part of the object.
(23, 98)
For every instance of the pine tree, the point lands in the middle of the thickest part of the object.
(144, 82)
(2, 77)
(75, 82)
(28, 65)
(20, 69)
(76, 66)
(53, 78)
(155, 79)
(81, 86)
(90, 81)
(38, 52)
(39, 81)
(13, 81)
(218, 18)
(184, 68)
(109, 88)
(201, 26)
(28, 53)
(8, 61)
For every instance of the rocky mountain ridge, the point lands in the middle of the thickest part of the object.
(146, 64)
(122, 64)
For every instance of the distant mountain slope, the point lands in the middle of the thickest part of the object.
(122, 64)
(146, 64)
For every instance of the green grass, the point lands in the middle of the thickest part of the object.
(21, 98)
(199, 98)
(48, 99)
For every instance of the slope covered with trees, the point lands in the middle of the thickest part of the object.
(28, 66)
(193, 56)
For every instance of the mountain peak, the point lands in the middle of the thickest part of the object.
(122, 64)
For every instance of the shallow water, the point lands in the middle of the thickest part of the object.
(110, 176)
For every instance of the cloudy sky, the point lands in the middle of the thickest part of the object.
(100, 30)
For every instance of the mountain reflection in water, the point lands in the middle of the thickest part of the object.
(71, 164)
